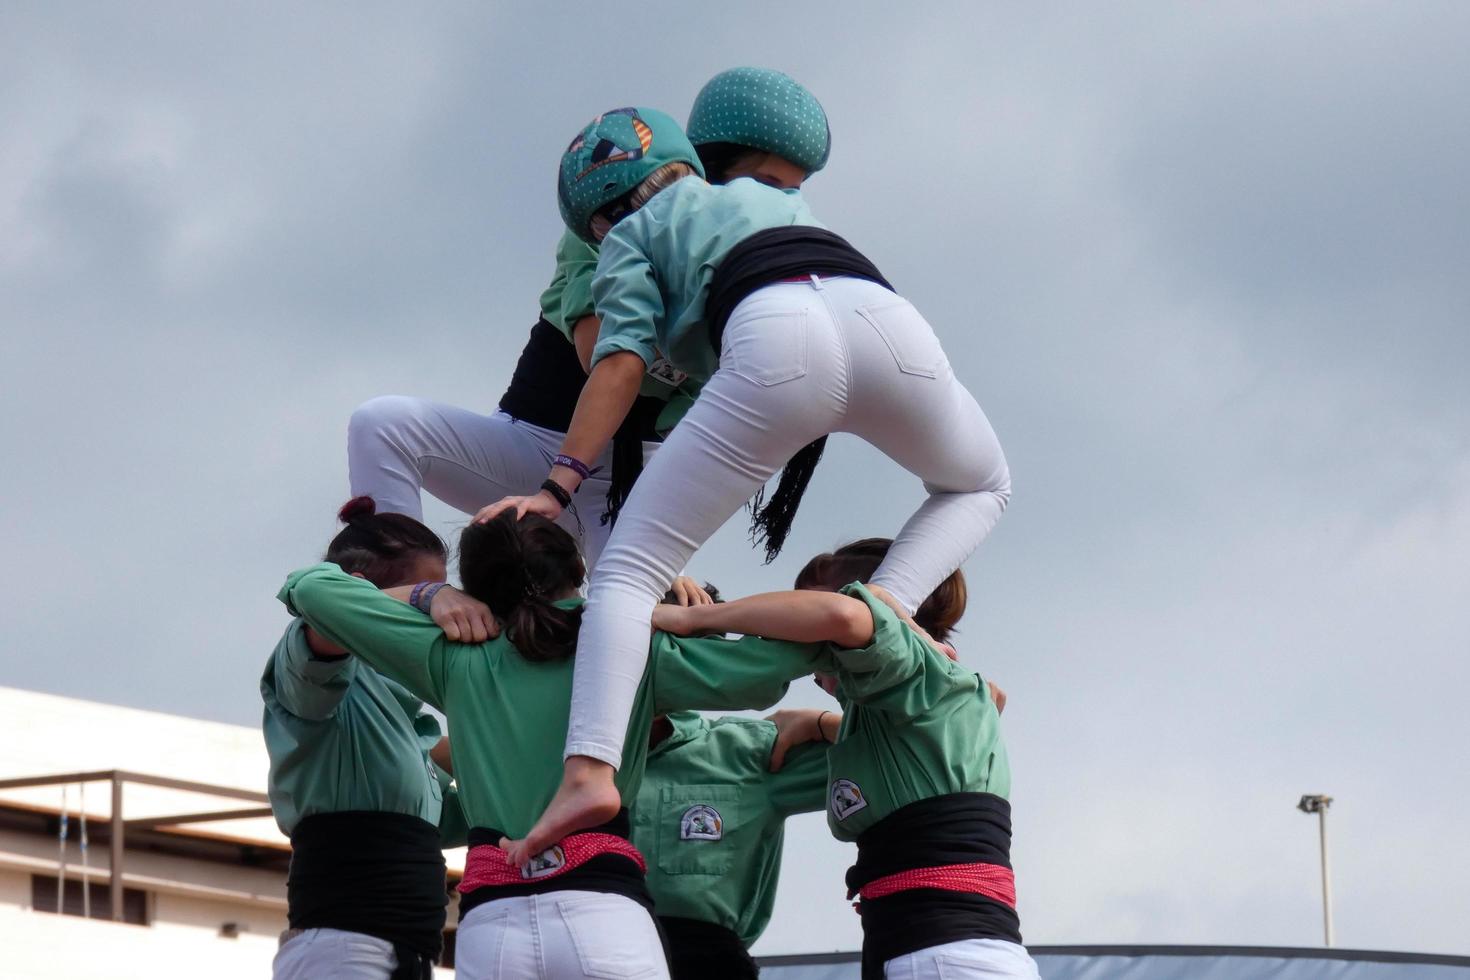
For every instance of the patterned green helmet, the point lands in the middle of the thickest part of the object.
(611, 156)
(764, 109)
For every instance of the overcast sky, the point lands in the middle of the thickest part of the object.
(1205, 267)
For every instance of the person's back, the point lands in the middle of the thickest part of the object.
(352, 782)
(507, 703)
(710, 819)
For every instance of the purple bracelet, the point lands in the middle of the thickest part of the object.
(425, 600)
(413, 597)
(572, 463)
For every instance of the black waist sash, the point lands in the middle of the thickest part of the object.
(548, 380)
(701, 950)
(381, 874)
(612, 874)
(960, 828)
(780, 253)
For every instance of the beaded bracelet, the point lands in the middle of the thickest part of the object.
(426, 598)
(574, 464)
(558, 491)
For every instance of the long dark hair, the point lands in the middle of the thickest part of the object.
(858, 561)
(517, 568)
(382, 548)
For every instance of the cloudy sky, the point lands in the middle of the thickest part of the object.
(1205, 269)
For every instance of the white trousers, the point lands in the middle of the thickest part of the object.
(563, 934)
(799, 361)
(397, 445)
(989, 958)
(333, 954)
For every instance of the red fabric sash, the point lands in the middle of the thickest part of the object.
(994, 881)
(486, 863)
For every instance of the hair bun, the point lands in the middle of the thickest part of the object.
(356, 508)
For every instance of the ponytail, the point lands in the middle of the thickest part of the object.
(518, 568)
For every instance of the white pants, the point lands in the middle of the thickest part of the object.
(571, 934)
(332, 954)
(800, 360)
(990, 958)
(397, 445)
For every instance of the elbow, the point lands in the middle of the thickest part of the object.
(621, 365)
(852, 625)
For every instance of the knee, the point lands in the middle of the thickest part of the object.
(379, 416)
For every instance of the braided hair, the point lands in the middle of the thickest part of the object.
(518, 568)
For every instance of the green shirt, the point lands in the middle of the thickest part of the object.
(654, 273)
(508, 715)
(710, 818)
(341, 736)
(569, 299)
(915, 725)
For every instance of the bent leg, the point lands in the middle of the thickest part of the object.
(735, 437)
(397, 445)
(907, 402)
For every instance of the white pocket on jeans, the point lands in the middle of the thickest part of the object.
(614, 936)
(768, 349)
(907, 335)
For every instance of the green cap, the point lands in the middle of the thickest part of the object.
(611, 156)
(763, 109)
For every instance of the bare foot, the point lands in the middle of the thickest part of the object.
(586, 798)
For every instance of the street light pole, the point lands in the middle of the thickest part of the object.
(1318, 804)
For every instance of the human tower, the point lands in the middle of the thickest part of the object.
(703, 331)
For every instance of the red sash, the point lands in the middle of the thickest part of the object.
(486, 864)
(994, 881)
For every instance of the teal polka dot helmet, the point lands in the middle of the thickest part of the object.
(763, 109)
(611, 156)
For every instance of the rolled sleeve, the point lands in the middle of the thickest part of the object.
(626, 294)
(305, 686)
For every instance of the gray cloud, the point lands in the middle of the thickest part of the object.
(1202, 266)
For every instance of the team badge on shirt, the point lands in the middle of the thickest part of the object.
(663, 371)
(701, 822)
(847, 799)
(548, 862)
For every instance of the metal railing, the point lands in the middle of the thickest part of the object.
(118, 827)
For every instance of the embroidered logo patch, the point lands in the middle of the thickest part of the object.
(548, 862)
(701, 822)
(663, 371)
(847, 798)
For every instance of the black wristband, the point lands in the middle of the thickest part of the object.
(821, 732)
(558, 491)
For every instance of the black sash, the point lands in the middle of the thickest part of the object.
(959, 828)
(612, 874)
(548, 380)
(780, 253)
(381, 874)
(701, 950)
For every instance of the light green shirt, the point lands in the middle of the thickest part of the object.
(710, 818)
(569, 297)
(654, 272)
(915, 725)
(341, 736)
(507, 715)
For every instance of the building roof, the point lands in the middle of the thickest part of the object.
(54, 735)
